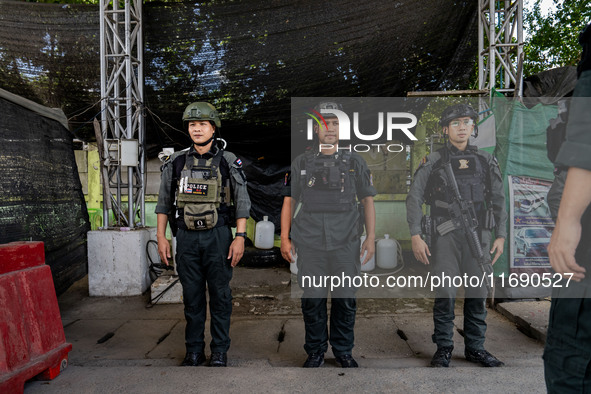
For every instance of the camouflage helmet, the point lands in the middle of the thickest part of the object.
(457, 111)
(201, 111)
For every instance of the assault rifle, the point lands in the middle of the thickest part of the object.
(464, 216)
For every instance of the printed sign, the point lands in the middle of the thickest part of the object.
(531, 223)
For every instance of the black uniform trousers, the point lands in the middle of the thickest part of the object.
(567, 355)
(315, 265)
(201, 263)
(453, 259)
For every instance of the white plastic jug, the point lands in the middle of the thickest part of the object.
(386, 253)
(264, 234)
(371, 263)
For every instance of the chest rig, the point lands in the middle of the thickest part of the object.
(328, 183)
(203, 193)
(471, 177)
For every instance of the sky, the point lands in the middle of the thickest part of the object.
(546, 5)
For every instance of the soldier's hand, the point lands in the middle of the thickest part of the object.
(562, 247)
(420, 249)
(236, 250)
(368, 248)
(164, 249)
(497, 246)
(287, 251)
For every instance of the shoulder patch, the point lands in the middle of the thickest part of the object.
(230, 158)
(167, 158)
(238, 163)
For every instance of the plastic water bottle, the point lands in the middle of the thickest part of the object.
(387, 252)
(264, 234)
(371, 263)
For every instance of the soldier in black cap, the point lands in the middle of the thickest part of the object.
(479, 181)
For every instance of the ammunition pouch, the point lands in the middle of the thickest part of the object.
(427, 229)
(328, 183)
(489, 219)
(200, 216)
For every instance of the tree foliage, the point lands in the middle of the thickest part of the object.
(554, 36)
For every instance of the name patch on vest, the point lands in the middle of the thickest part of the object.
(199, 189)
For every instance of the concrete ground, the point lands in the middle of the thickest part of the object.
(127, 345)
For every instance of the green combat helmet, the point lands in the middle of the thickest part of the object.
(201, 111)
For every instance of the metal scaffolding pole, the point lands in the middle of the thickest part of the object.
(500, 46)
(122, 119)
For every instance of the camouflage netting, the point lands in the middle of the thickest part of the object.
(248, 57)
(40, 192)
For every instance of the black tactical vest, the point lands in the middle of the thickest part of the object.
(471, 173)
(328, 183)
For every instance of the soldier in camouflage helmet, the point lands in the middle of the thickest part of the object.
(202, 194)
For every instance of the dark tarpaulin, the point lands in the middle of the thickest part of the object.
(246, 57)
(547, 87)
(40, 192)
(265, 183)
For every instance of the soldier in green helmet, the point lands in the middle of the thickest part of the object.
(203, 194)
(480, 185)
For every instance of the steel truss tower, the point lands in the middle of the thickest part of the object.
(122, 122)
(500, 46)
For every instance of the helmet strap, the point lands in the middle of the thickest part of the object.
(206, 142)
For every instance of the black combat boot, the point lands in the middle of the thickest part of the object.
(442, 356)
(346, 361)
(314, 360)
(193, 359)
(483, 358)
(218, 359)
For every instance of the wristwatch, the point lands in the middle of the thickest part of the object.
(241, 235)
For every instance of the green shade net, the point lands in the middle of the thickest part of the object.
(247, 57)
(521, 147)
(40, 192)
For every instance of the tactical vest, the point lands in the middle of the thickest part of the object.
(203, 193)
(471, 176)
(328, 183)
